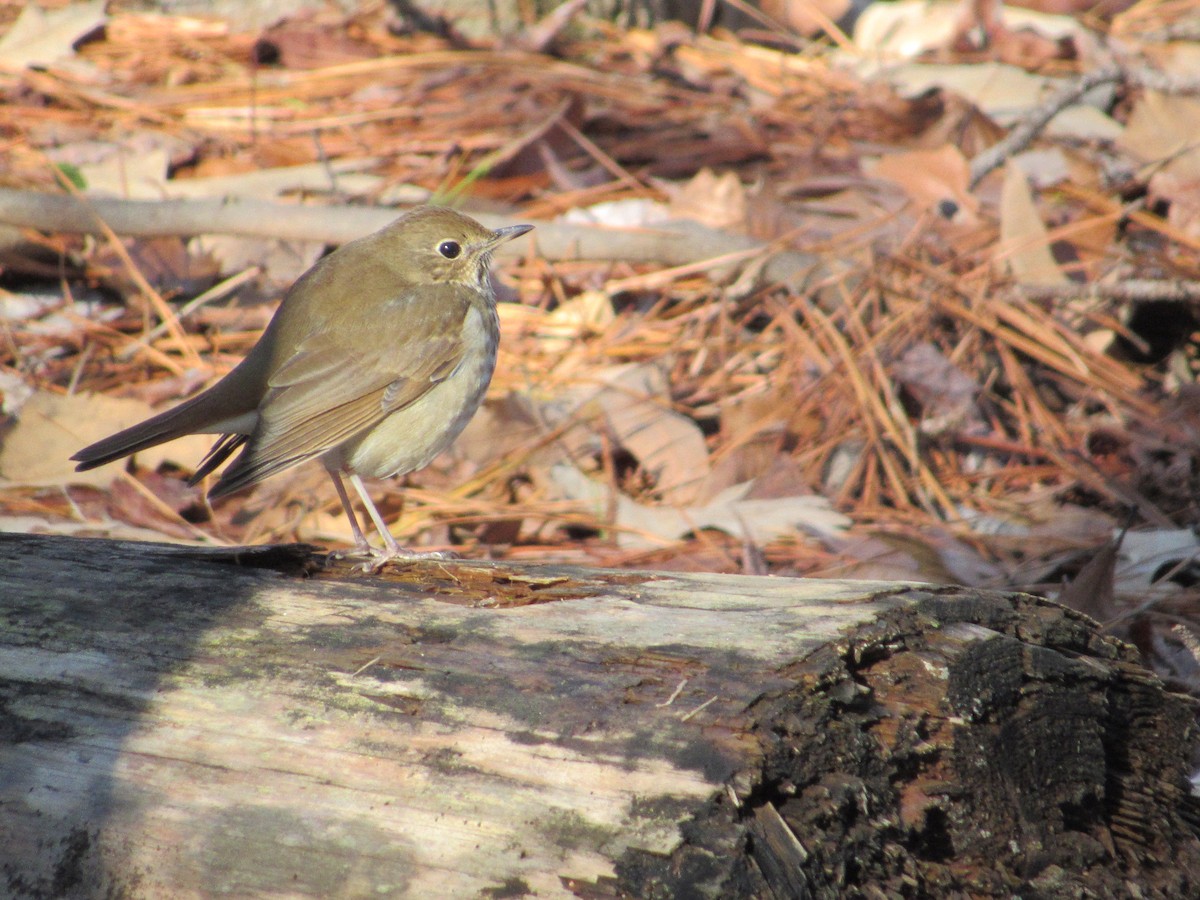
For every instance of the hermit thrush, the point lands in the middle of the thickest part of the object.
(374, 362)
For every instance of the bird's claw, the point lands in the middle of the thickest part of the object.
(376, 559)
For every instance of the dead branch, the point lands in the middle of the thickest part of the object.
(670, 244)
(1132, 291)
(1035, 122)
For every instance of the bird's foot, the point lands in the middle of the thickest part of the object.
(377, 558)
(380, 558)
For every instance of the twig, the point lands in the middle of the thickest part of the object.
(539, 36)
(365, 666)
(1164, 82)
(698, 709)
(611, 165)
(659, 279)
(1037, 119)
(509, 150)
(166, 315)
(169, 512)
(216, 292)
(1132, 291)
(674, 694)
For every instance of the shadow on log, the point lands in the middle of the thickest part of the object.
(193, 723)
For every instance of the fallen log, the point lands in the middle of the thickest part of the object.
(192, 722)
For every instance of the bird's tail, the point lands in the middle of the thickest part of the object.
(201, 414)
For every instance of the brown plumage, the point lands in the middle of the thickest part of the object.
(374, 362)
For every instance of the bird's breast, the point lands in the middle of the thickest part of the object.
(411, 437)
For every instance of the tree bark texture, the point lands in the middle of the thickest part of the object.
(186, 722)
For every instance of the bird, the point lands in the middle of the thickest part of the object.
(374, 362)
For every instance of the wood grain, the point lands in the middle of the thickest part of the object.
(196, 723)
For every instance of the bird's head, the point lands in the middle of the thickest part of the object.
(432, 244)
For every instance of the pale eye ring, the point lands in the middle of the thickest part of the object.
(449, 249)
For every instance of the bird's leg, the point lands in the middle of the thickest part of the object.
(361, 546)
(388, 541)
(392, 549)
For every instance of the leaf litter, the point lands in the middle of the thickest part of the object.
(977, 365)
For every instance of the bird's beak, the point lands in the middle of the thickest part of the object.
(500, 235)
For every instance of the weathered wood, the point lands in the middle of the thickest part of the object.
(192, 723)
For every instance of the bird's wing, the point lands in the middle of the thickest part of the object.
(343, 380)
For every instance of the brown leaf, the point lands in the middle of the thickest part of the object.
(945, 394)
(935, 180)
(1024, 240)
(310, 40)
(50, 427)
(1091, 592)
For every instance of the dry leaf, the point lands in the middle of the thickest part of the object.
(1044, 168)
(1024, 241)
(1006, 94)
(134, 168)
(163, 262)
(15, 391)
(588, 313)
(910, 28)
(928, 555)
(758, 521)
(1178, 58)
(632, 405)
(311, 39)
(619, 214)
(935, 180)
(1182, 194)
(40, 37)
(1162, 135)
(1162, 132)
(507, 424)
(944, 392)
(718, 201)
(282, 262)
(1146, 556)
(905, 29)
(37, 450)
(116, 530)
(1091, 591)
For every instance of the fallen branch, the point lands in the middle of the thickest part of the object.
(1140, 290)
(1036, 121)
(670, 244)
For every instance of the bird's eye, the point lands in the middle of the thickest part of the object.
(449, 249)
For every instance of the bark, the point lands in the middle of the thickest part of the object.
(185, 723)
